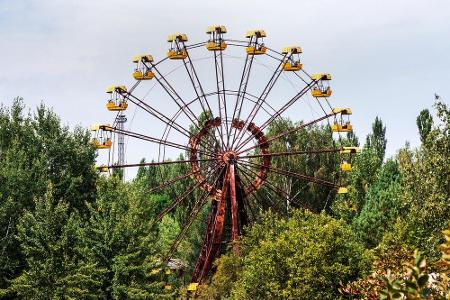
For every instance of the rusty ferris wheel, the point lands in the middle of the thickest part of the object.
(227, 149)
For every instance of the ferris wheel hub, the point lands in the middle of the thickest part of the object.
(228, 157)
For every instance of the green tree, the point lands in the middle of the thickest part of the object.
(426, 186)
(47, 238)
(382, 205)
(365, 167)
(377, 139)
(302, 257)
(424, 124)
(352, 139)
(300, 193)
(118, 239)
(36, 149)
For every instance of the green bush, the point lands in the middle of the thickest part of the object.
(304, 257)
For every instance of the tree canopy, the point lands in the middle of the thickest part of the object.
(68, 232)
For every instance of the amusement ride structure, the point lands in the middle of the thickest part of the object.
(223, 131)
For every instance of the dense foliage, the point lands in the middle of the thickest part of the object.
(305, 256)
(67, 232)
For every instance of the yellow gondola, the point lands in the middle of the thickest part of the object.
(102, 168)
(321, 76)
(155, 271)
(105, 127)
(101, 145)
(256, 50)
(177, 50)
(177, 54)
(254, 47)
(143, 58)
(177, 37)
(214, 46)
(112, 106)
(322, 88)
(291, 49)
(342, 111)
(117, 101)
(346, 167)
(139, 75)
(350, 150)
(342, 190)
(318, 93)
(346, 127)
(120, 89)
(256, 33)
(216, 42)
(293, 64)
(192, 287)
(102, 136)
(142, 72)
(289, 66)
(216, 28)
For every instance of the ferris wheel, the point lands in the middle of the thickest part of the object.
(222, 128)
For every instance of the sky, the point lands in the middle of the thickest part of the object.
(387, 58)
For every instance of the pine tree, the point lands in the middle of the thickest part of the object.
(352, 139)
(382, 205)
(424, 124)
(377, 139)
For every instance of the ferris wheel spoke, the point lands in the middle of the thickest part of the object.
(185, 228)
(160, 116)
(280, 111)
(262, 98)
(287, 153)
(172, 120)
(284, 195)
(196, 45)
(249, 182)
(251, 98)
(195, 210)
(287, 132)
(241, 43)
(241, 91)
(289, 103)
(156, 140)
(247, 203)
(297, 175)
(221, 95)
(176, 97)
(177, 201)
(172, 181)
(198, 88)
(196, 84)
(270, 186)
(170, 162)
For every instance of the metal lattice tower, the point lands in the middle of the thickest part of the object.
(121, 119)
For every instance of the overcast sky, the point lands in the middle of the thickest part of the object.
(387, 58)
